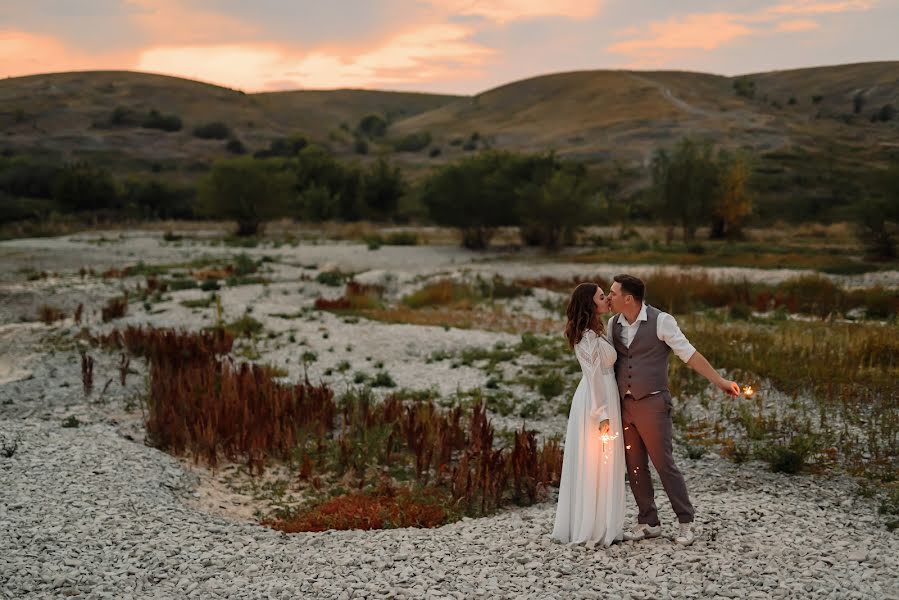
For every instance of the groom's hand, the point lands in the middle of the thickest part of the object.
(731, 388)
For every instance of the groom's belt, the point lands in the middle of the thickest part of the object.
(628, 394)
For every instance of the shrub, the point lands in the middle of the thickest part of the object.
(235, 146)
(215, 130)
(382, 187)
(26, 177)
(401, 238)
(82, 186)
(157, 199)
(246, 190)
(373, 125)
(740, 312)
(245, 326)
(285, 147)
(383, 379)
(886, 113)
(331, 278)
(480, 193)
(784, 459)
(550, 385)
(360, 146)
(71, 421)
(413, 142)
(123, 116)
(553, 210)
(115, 308)
(156, 120)
(744, 86)
(695, 451)
(49, 314)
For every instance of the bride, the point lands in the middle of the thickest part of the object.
(591, 491)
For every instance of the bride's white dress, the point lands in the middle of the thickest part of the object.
(591, 491)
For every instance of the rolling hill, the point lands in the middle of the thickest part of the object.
(790, 120)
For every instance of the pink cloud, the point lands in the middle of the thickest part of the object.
(707, 31)
(176, 22)
(504, 11)
(420, 54)
(701, 31)
(814, 7)
(25, 53)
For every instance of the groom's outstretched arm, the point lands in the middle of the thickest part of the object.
(670, 333)
(699, 364)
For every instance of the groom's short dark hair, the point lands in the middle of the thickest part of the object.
(631, 285)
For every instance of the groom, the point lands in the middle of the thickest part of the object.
(643, 336)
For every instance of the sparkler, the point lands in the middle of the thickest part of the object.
(605, 439)
(748, 391)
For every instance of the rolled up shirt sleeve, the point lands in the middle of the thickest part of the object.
(669, 332)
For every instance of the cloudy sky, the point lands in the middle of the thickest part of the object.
(451, 46)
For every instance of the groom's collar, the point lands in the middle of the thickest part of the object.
(640, 317)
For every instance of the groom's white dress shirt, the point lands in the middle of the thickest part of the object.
(667, 330)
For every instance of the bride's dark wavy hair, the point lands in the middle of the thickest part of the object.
(582, 314)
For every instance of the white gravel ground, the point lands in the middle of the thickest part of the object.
(92, 512)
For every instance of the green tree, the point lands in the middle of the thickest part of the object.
(82, 186)
(685, 184)
(480, 193)
(246, 190)
(318, 175)
(733, 203)
(877, 217)
(552, 211)
(382, 187)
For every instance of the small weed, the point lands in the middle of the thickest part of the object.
(331, 278)
(71, 421)
(383, 379)
(204, 302)
(8, 447)
(245, 326)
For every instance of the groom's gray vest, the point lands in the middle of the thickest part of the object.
(642, 368)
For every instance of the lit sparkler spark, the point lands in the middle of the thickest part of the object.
(748, 391)
(606, 438)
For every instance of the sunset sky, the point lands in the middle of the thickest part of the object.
(451, 46)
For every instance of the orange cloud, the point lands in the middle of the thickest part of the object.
(813, 7)
(178, 23)
(712, 30)
(703, 31)
(24, 53)
(421, 54)
(503, 11)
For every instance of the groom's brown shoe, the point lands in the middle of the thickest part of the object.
(642, 531)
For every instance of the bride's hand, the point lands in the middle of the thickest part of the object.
(604, 427)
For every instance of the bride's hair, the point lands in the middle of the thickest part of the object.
(582, 314)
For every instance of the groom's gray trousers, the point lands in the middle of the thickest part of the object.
(647, 436)
(641, 372)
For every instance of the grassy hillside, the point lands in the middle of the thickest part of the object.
(810, 130)
(69, 113)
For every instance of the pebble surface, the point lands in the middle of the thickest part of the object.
(85, 512)
(92, 512)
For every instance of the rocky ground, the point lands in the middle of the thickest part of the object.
(90, 511)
